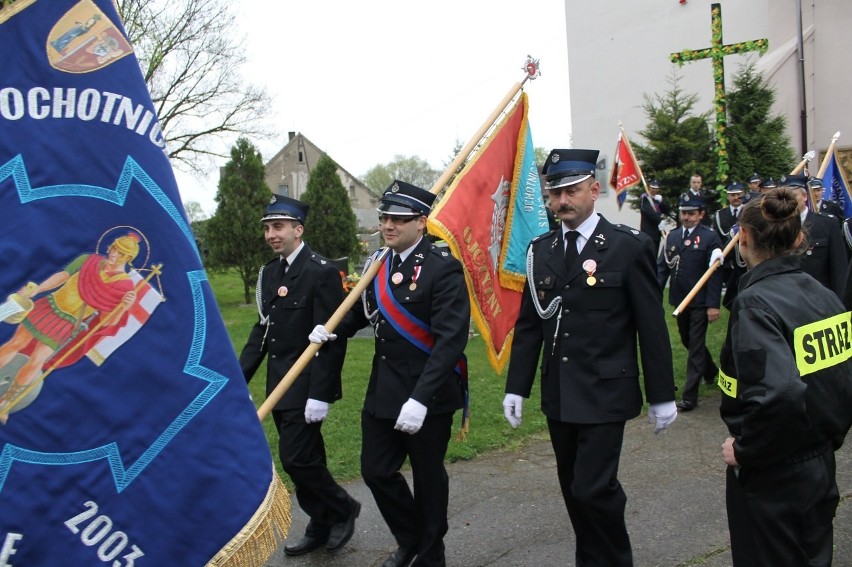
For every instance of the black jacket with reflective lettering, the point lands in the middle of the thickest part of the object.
(783, 391)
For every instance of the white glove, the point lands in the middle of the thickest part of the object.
(662, 415)
(411, 417)
(658, 198)
(320, 335)
(315, 411)
(716, 254)
(513, 407)
(662, 226)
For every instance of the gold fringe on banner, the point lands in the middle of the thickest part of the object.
(266, 530)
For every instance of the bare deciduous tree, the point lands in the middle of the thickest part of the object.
(191, 58)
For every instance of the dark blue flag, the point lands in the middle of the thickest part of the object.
(127, 436)
(836, 187)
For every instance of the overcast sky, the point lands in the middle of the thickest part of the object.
(369, 80)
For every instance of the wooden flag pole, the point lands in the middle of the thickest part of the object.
(825, 159)
(309, 353)
(736, 238)
(532, 71)
(710, 271)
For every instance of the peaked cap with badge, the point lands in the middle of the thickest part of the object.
(285, 208)
(735, 187)
(794, 181)
(405, 199)
(563, 168)
(690, 202)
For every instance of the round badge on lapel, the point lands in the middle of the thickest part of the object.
(282, 291)
(397, 278)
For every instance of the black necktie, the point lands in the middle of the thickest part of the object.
(685, 234)
(571, 253)
(282, 268)
(395, 263)
(736, 213)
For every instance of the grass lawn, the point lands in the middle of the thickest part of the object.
(489, 430)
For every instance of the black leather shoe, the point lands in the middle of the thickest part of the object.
(342, 532)
(686, 406)
(305, 545)
(400, 558)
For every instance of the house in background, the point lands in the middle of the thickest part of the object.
(288, 171)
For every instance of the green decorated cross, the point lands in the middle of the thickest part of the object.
(717, 52)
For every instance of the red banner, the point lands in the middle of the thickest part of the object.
(471, 218)
(625, 170)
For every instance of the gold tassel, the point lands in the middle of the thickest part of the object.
(266, 530)
(461, 436)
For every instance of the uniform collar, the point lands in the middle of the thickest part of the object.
(292, 257)
(586, 229)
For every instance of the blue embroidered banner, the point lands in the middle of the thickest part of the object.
(127, 436)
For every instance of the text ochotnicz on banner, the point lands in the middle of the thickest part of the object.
(128, 436)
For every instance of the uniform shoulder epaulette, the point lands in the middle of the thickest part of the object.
(272, 261)
(440, 251)
(545, 235)
(628, 230)
(321, 260)
(822, 214)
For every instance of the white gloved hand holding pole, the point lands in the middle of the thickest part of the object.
(662, 415)
(315, 411)
(320, 335)
(658, 198)
(716, 254)
(513, 409)
(411, 417)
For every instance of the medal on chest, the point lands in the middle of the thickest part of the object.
(590, 266)
(282, 291)
(416, 275)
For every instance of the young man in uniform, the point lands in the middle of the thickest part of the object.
(419, 308)
(295, 291)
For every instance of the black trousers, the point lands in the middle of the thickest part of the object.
(692, 328)
(587, 457)
(302, 452)
(782, 515)
(416, 520)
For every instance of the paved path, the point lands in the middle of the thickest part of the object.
(506, 509)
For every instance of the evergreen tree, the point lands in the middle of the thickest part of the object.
(757, 142)
(233, 236)
(331, 229)
(679, 144)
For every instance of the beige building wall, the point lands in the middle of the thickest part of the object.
(618, 51)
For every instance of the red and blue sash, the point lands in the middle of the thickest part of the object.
(415, 331)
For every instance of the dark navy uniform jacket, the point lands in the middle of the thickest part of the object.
(590, 368)
(433, 290)
(825, 257)
(314, 292)
(693, 258)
